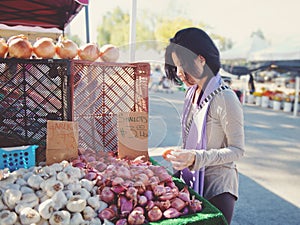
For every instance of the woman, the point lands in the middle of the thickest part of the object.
(212, 120)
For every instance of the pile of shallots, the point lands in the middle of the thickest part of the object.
(94, 189)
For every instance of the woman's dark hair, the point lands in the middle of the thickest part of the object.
(188, 44)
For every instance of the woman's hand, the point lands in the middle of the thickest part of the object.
(180, 159)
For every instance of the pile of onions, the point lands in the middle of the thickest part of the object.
(66, 48)
(109, 53)
(89, 52)
(3, 48)
(136, 192)
(19, 47)
(44, 48)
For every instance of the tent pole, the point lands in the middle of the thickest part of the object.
(87, 24)
(296, 95)
(132, 34)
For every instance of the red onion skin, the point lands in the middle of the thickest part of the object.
(149, 194)
(167, 196)
(107, 195)
(178, 204)
(101, 166)
(184, 194)
(142, 200)
(150, 205)
(171, 213)
(154, 214)
(159, 190)
(131, 193)
(163, 205)
(122, 222)
(195, 205)
(136, 217)
(107, 213)
(126, 206)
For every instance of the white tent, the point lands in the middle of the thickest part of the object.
(244, 49)
(287, 50)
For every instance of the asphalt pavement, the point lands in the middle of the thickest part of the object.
(270, 170)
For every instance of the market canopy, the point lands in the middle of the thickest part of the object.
(243, 49)
(46, 14)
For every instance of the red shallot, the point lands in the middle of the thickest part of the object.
(107, 195)
(107, 213)
(178, 204)
(171, 213)
(136, 217)
(154, 214)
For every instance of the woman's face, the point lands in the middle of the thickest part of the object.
(186, 78)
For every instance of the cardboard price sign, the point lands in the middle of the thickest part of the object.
(133, 135)
(62, 141)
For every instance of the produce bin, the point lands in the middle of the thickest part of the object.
(209, 215)
(101, 91)
(31, 92)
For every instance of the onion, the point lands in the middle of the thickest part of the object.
(171, 213)
(159, 190)
(3, 48)
(126, 206)
(136, 217)
(89, 52)
(44, 48)
(195, 205)
(107, 213)
(184, 194)
(149, 195)
(142, 200)
(163, 205)
(109, 53)
(154, 214)
(66, 49)
(122, 222)
(19, 47)
(178, 204)
(107, 195)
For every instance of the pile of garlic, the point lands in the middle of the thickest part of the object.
(58, 194)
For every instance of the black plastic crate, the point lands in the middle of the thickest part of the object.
(32, 91)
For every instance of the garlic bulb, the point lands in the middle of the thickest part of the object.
(76, 204)
(87, 184)
(94, 202)
(53, 187)
(35, 181)
(11, 197)
(60, 218)
(76, 219)
(89, 213)
(95, 221)
(29, 216)
(46, 209)
(60, 200)
(8, 218)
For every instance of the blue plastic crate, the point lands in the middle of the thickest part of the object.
(14, 158)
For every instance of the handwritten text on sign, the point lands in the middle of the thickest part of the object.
(133, 133)
(62, 141)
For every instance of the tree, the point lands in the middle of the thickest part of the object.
(115, 29)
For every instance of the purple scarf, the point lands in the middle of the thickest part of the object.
(194, 136)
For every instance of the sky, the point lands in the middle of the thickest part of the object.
(234, 19)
